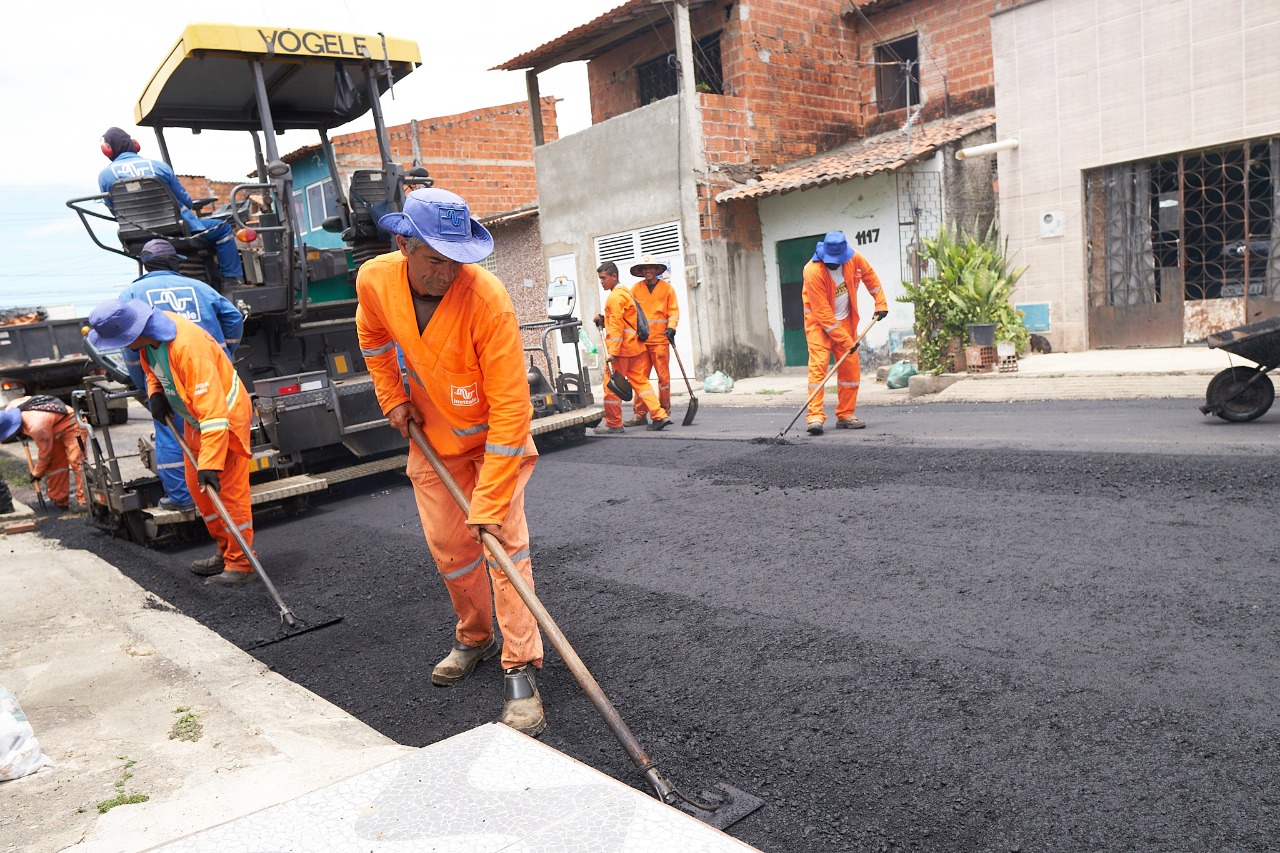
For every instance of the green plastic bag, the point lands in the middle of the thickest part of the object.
(900, 374)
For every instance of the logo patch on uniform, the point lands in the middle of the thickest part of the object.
(465, 395)
(454, 222)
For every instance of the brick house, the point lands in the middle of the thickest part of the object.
(485, 155)
(728, 136)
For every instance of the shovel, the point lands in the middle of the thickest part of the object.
(825, 379)
(693, 401)
(733, 805)
(31, 469)
(290, 621)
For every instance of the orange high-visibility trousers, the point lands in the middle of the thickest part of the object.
(66, 460)
(234, 492)
(658, 357)
(477, 586)
(848, 378)
(635, 368)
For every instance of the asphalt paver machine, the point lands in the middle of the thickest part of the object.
(317, 420)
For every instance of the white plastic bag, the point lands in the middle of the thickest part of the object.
(718, 383)
(20, 753)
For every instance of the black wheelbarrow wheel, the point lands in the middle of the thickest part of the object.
(1232, 397)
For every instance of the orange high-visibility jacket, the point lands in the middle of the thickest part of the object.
(620, 321)
(660, 309)
(466, 370)
(820, 300)
(201, 384)
(45, 428)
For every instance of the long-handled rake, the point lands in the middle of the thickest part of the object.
(733, 804)
(827, 378)
(292, 623)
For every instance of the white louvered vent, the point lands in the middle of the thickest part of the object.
(616, 247)
(661, 240)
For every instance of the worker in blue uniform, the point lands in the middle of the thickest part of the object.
(122, 150)
(163, 288)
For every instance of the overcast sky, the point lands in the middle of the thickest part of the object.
(70, 77)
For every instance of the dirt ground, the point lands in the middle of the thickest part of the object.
(921, 647)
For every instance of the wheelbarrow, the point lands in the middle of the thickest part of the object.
(1243, 393)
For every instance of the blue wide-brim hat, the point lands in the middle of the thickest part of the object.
(115, 324)
(443, 221)
(10, 421)
(833, 249)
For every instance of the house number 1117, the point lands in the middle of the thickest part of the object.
(871, 235)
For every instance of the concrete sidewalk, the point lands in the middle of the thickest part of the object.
(1174, 373)
(102, 668)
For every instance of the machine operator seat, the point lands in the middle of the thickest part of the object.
(145, 208)
(368, 198)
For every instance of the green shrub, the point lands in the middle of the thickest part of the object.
(972, 282)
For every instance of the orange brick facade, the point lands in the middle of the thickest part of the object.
(485, 155)
(800, 78)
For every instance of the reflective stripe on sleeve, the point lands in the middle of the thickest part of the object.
(503, 449)
(214, 425)
(370, 353)
(471, 430)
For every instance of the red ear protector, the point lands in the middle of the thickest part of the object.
(106, 149)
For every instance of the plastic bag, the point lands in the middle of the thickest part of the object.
(718, 383)
(900, 373)
(20, 753)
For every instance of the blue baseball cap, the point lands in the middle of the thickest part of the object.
(834, 249)
(158, 248)
(10, 421)
(443, 221)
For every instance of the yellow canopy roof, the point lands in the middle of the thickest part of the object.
(206, 81)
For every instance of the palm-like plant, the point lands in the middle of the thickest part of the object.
(972, 282)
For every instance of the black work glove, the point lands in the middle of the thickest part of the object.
(855, 346)
(599, 321)
(158, 403)
(208, 477)
(880, 315)
(671, 334)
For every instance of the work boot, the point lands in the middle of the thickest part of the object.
(461, 661)
(230, 578)
(849, 423)
(659, 426)
(521, 703)
(605, 429)
(74, 506)
(638, 420)
(166, 504)
(207, 567)
(814, 429)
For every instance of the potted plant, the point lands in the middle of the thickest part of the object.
(971, 285)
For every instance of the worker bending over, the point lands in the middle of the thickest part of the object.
(189, 375)
(59, 444)
(831, 325)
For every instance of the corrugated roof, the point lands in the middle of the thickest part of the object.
(592, 39)
(887, 152)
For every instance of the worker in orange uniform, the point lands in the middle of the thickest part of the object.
(59, 442)
(831, 279)
(188, 374)
(657, 298)
(464, 358)
(624, 354)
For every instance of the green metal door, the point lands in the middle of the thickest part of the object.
(792, 256)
